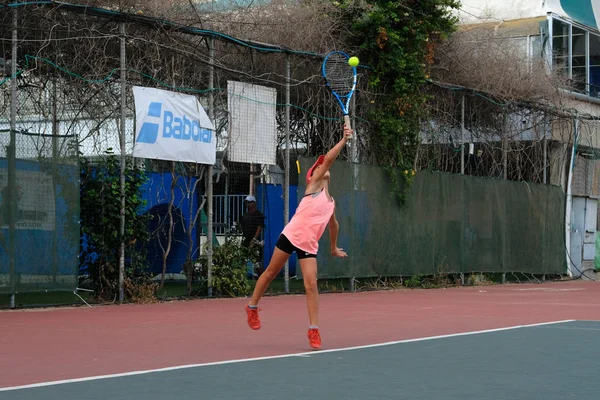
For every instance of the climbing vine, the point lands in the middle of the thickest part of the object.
(397, 40)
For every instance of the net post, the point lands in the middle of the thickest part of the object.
(504, 277)
(286, 189)
(12, 165)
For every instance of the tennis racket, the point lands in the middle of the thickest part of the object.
(340, 78)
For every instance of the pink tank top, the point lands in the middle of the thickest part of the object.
(308, 223)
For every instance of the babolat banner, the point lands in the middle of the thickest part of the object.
(172, 126)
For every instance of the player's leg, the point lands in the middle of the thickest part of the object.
(281, 253)
(308, 264)
(275, 265)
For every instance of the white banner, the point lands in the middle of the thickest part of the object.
(172, 126)
(35, 200)
(252, 123)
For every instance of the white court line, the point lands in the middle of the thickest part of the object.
(305, 354)
(548, 289)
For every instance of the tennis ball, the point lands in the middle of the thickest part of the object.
(353, 61)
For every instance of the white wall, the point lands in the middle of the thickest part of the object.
(477, 11)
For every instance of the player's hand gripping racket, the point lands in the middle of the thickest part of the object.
(340, 78)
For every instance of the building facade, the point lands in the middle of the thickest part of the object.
(566, 35)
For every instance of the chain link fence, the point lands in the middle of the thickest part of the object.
(71, 66)
(73, 73)
(39, 209)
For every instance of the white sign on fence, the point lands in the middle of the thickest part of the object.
(35, 200)
(172, 126)
(252, 123)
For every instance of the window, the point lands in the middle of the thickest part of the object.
(560, 45)
(594, 65)
(576, 52)
(578, 60)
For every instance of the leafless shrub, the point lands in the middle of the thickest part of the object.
(493, 101)
(481, 59)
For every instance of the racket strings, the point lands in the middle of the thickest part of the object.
(339, 75)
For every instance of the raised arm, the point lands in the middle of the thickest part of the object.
(332, 155)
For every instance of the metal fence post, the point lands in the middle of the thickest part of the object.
(464, 200)
(505, 147)
(122, 143)
(569, 196)
(12, 166)
(286, 188)
(354, 158)
(462, 134)
(209, 173)
(545, 143)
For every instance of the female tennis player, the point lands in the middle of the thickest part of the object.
(301, 235)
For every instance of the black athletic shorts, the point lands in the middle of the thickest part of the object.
(285, 245)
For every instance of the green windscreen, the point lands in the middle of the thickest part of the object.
(449, 224)
(39, 213)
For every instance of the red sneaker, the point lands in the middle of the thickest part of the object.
(314, 338)
(253, 320)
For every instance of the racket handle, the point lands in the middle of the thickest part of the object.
(347, 123)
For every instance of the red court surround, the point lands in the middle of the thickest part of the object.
(56, 344)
